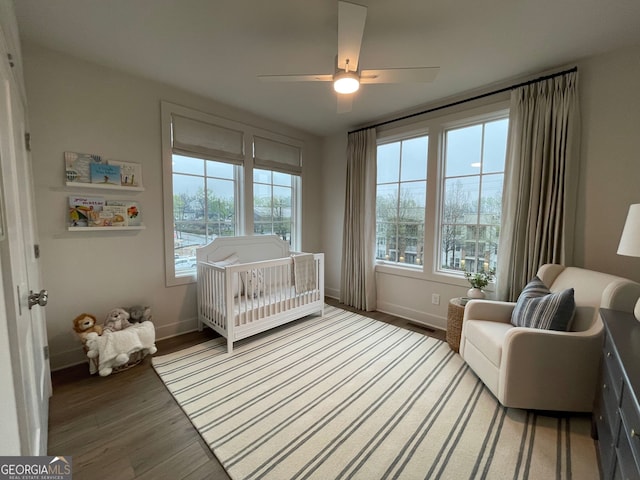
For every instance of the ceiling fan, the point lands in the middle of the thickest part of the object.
(348, 77)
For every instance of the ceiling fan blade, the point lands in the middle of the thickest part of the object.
(399, 75)
(344, 103)
(296, 78)
(351, 18)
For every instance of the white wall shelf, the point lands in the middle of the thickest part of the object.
(103, 229)
(99, 186)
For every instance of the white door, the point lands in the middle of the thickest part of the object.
(25, 326)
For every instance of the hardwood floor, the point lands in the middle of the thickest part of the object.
(128, 425)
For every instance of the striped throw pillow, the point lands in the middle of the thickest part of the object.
(537, 307)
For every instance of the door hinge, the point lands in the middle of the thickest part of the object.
(46, 352)
(27, 141)
(36, 251)
(10, 57)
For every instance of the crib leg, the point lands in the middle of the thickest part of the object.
(200, 325)
(229, 345)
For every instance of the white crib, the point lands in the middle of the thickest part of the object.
(258, 291)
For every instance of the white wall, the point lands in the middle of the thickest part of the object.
(334, 170)
(610, 176)
(609, 182)
(82, 107)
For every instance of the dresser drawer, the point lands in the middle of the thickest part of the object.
(630, 427)
(609, 400)
(606, 444)
(612, 363)
(626, 462)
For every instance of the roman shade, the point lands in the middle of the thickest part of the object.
(278, 156)
(207, 140)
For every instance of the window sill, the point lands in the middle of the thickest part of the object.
(400, 270)
(419, 273)
(177, 280)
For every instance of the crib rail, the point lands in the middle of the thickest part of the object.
(243, 299)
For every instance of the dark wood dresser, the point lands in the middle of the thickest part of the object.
(617, 413)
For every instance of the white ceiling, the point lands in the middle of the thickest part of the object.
(216, 48)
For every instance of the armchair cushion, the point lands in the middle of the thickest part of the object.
(488, 336)
(537, 307)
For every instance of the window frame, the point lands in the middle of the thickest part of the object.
(447, 126)
(386, 140)
(237, 192)
(243, 182)
(296, 204)
(434, 125)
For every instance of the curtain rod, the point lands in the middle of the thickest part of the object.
(470, 99)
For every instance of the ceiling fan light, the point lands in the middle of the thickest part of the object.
(346, 82)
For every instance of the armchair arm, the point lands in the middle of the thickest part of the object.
(536, 362)
(621, 295)
(491, 310)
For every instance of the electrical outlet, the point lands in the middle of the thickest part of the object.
(435, 298)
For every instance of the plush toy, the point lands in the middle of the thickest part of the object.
(105, 365)
(147, 335)
(84, 324)
(117, 319)
(139, 313)
(91, 342)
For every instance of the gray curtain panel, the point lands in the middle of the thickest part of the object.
(357, 286)
(540, 184)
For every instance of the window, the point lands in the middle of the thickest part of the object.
(208, 165)
(439, 194)
(474, 157)
(400, 200)
(276, 189)
(204, 206)
(274, 202)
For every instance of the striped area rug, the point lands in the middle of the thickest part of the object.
(346, 396)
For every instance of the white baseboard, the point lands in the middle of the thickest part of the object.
(68, 358)
(416, 316)
(176, 328)
(332, 293)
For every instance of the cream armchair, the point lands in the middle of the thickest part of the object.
(545, 369)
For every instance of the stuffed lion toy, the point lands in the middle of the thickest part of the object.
(84, 324)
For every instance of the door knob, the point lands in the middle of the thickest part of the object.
(41, 298)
